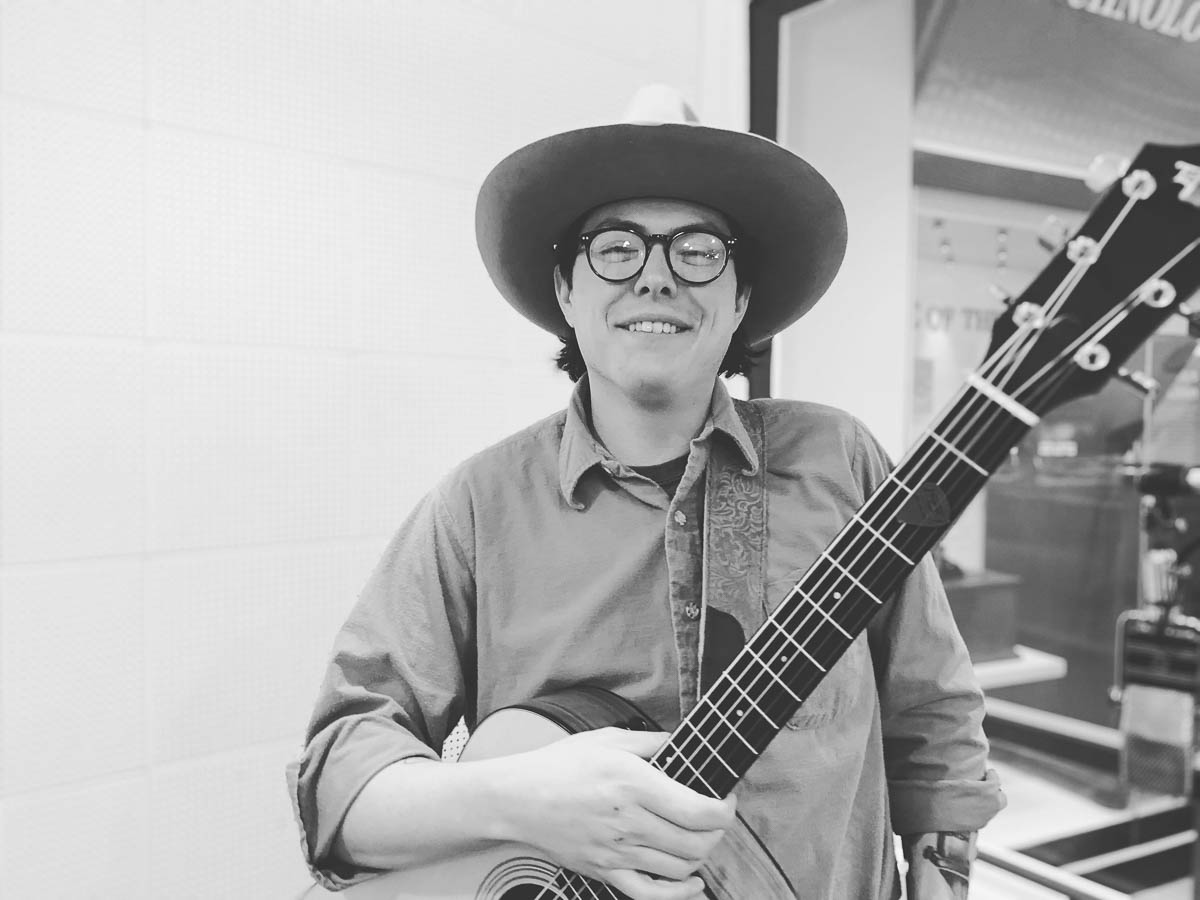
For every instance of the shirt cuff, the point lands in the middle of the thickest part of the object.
(919, 807)
(327, 778)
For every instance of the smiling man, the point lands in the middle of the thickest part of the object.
(632, 543)
(652, 302)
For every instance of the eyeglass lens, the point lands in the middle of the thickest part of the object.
(694, 256)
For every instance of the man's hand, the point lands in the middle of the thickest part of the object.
(593, 804)
(939, 865)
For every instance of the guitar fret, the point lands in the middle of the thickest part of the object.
(679, 755)
(817, 606)
(791, 640)
(750, 700)
(771, 672)
(862, 587)
(733, 728)
(881, 538)
(949, 446)
(696, 731)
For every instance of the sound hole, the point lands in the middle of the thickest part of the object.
(527, 878)
(533, 892)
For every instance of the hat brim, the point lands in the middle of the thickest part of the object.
(792, 216)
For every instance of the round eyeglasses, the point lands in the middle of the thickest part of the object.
(694, 257)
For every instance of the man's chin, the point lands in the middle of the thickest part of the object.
(654, 389)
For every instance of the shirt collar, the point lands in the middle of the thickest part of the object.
(580, 450)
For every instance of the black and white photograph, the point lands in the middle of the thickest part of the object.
(599, 449)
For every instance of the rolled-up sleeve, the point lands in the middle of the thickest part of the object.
(931, 706)
(398, 678)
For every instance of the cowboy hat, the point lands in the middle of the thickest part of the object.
(785, 209)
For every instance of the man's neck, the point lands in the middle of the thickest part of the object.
(642, 434)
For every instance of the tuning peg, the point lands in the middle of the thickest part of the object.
(1052, 236)
(1190, 310)
(1001, 295)
(1104, 170)
(1141, 382)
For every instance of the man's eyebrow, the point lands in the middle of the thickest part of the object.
(699, 225)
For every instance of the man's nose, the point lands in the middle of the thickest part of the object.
(656, 278)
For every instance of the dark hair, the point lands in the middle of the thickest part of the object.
(739, 359)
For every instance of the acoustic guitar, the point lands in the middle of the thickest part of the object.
(1132, 264)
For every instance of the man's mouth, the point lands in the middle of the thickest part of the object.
(649, 326)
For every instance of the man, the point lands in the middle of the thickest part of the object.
(634, 542)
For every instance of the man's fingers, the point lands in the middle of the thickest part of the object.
(640, 886)
(659, 834)
(684, 807)
(663, 865)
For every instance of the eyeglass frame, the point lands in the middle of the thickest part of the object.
(729, 243)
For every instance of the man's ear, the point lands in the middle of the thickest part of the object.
(563, 292)
(741, 302)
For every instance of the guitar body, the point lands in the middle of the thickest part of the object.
(519, 872)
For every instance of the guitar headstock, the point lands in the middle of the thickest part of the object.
(1129, 267)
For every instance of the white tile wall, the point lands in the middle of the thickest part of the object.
(236, 641)
(72, 448)
(426, 290)
(72, 673)
(222, 826)
(72, 217)
(316, 76)
(80, 52)
(243, 327)
(249, 244)
(85, 842)
(247, 445)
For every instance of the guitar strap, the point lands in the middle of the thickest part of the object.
(733, 606)
(733, 590)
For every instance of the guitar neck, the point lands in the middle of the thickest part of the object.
(786, 658)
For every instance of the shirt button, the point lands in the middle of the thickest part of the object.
(692, 611)
(680, 518)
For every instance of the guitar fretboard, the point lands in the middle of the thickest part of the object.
(808, 632)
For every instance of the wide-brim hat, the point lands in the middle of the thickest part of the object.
(790, 214)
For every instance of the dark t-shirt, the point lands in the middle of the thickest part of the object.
(667, 474)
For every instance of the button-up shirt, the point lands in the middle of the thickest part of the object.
(543, 562)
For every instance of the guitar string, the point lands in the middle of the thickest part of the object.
(824, 582)
(976, 417)
(808, 613)
(686, 746)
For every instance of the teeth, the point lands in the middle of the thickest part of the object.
(653, 327)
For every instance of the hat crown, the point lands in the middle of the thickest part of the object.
(659, 104)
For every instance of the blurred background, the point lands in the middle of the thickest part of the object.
(244, 327)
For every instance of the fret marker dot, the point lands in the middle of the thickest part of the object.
(837, 595)
(738, 712)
